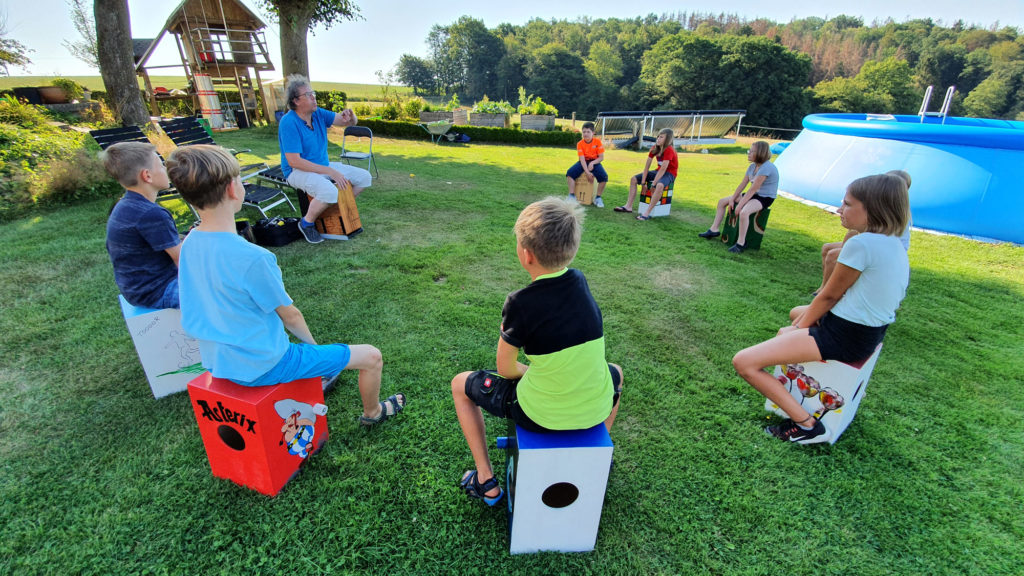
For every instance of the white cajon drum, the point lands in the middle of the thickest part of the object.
(556, 484)
(168, 356)
(831, 391)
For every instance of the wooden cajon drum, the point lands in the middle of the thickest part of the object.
(169, 357)
(831, 391)
(664, 205)
(259, 436)
(755, 231)
(556, 483)
(339, 221)
(585, 190)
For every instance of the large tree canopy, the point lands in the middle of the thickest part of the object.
(297, 18)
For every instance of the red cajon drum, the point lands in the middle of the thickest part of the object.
(339, 221)
(259, 436)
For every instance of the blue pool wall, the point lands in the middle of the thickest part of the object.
(966, 172)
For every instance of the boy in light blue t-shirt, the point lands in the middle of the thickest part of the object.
(233, 298)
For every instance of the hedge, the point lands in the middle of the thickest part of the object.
(412, 130)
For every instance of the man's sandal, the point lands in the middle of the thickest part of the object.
(643, 218)
(479, 491)
(388, 408)
(623, 209)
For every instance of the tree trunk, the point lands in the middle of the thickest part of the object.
(295, 18)
(117, 62)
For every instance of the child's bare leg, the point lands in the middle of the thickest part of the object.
(367, 359)
(720, 213)
(797, 312)
(600, 187)
(655, 198)
(615, 408)
(786, 348)
(471, 419)
(632, 193)
(828, 262)
(752, 207)
(572, 185)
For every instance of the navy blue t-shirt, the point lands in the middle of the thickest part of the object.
(138, 233)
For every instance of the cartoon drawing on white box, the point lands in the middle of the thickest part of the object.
(187, 347)
(299, 428)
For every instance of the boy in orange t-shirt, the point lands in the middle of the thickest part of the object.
(591, 153)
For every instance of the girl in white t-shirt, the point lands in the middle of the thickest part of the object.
(847, 319)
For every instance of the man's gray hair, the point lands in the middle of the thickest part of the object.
(296, 82)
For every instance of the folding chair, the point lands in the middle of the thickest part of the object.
(346, 154)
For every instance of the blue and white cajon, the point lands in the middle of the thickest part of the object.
(831, 391)
(168, 356)
(556, 483)
(662, 206)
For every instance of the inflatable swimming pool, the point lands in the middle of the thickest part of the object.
(962, 170)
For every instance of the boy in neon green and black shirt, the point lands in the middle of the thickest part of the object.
(568, 385)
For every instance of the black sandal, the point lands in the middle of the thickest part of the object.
(388, 408)
(479, 491)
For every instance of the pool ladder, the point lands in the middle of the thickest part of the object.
(946, 103)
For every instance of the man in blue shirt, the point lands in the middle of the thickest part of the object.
(142, 239)
(302, 135)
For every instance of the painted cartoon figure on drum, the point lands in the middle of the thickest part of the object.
(299, 428)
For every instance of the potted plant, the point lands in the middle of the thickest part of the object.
(450, 112)
(535, 114)
(491, 114)
(60, 91)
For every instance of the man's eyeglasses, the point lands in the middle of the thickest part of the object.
(310, 93)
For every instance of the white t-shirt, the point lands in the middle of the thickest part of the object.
(884, 274)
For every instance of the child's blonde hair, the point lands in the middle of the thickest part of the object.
(201, 173)
(125, 160)
(762, 151)
(885, 200)
(670, 139)
(551, 230)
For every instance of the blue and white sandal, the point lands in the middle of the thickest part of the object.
(479, 491)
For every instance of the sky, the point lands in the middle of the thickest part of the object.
(353, 51)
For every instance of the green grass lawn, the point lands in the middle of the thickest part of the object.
(97, 477)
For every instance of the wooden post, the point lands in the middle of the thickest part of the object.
(152, 95)
(268, 113)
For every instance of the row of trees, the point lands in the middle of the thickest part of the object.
(777, 72)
